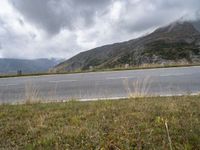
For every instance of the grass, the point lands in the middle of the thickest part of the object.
(138, 88)
(141, 123)
(122, 68)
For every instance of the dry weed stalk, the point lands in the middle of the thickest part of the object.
(168, 135)
(140, 88)
(31, 94)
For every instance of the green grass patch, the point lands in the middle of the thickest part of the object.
(120, 124)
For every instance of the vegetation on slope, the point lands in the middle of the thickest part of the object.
(145, 123)
(172, 51)
(179, 41)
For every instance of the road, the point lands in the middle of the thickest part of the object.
(91, 86)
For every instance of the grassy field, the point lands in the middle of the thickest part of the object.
(143, 123)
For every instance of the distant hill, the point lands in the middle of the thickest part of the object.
(10, 66)
(179, 41)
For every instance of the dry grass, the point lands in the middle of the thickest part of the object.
(138, 88)
(31, 94)
(168, 64)
(144, 123)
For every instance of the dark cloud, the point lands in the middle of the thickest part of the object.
(53, 15)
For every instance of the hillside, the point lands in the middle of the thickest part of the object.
(179, 41)
(9, 66)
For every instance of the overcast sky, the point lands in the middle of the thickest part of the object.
(63, 28)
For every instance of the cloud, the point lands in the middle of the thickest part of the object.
(53, 15)
(63, 28)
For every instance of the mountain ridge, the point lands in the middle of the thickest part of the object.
(176, 41)
(12, 65)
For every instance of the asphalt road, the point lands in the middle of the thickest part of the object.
(88, 86)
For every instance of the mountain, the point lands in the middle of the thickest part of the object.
(10, 66)
(179, 41)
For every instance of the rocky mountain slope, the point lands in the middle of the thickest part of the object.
(179, 41)
(9, 66)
